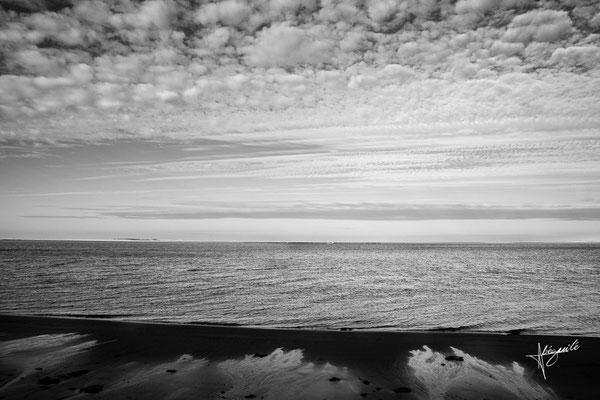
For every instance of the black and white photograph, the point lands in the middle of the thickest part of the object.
(299, 199)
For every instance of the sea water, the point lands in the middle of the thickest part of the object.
(536, 288)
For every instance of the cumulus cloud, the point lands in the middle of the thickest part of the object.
(282, 7)
(381, 11)
(539, 26)
(92, 11)
(487, 6)
(283, 45)
(339, 10)
(219, 65)
(39, 62)
(481, 6)
(217, 39)
(64, 30)
(229, 12)
(586, 57)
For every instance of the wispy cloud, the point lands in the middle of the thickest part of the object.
(360, 211)
(60, 216)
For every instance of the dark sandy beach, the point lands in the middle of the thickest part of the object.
(57, 358)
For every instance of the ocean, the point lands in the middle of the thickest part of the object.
(528, 288)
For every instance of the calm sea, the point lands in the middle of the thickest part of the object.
(533, 287)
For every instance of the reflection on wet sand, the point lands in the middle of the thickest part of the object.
(39, 359)
(279, 375)
(463, 376)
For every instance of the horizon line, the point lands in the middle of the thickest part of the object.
(150, 240)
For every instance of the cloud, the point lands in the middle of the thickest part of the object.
(382, 11)
(36, 5)
(229, 12)
(151, 14)
(506, 48)
(356, 211)
(218, 38)
(281, 7)
(39, 62)
(66, 31)
(483, 7)
(586, 57)
(92, 11)
(339, 10)
(90, 67)
(282, 45)
(539, 26)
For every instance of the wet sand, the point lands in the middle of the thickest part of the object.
(57, 358)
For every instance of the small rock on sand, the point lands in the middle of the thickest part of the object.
(76, 374)
(47, 380)
(91, 389)
(334, 379)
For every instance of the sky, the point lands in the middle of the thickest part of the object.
(303, 120)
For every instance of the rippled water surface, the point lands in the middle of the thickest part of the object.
(539, 288)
